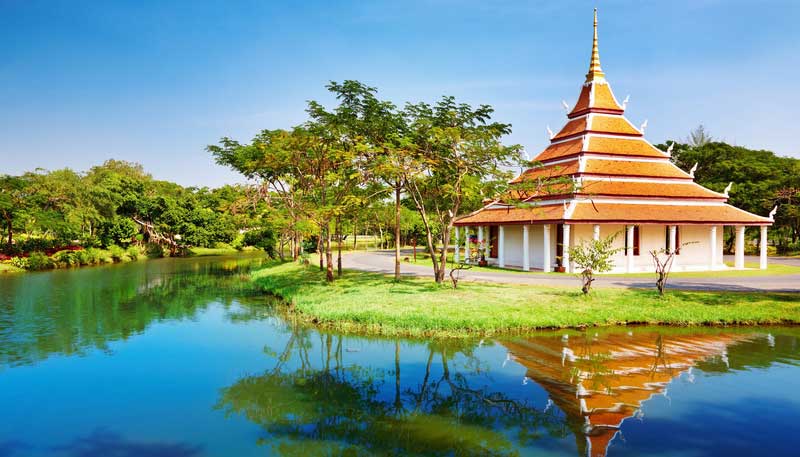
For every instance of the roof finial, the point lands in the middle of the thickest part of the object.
(595, 72)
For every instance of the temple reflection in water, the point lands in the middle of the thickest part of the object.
(600, 381)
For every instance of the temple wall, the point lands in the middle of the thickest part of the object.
(513, 251)
(693, 257)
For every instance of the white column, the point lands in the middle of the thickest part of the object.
(467, 252)
(596, 232)
(763, 246)
(526, 249)
(546, 248)
(629, 251)
(501, 246)
(712, 240)
(457, 247)
(739, 263)
(673, 235)
(480, 239)
(565, 249)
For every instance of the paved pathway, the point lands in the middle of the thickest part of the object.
(383, 261)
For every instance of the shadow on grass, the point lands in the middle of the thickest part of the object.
(707, 298)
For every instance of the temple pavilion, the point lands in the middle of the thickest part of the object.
(621, 184)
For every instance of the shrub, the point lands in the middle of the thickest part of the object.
(134, 252)
(117, 231)
(238, 242)
(36, 244)
(263, 238)
(154, 250)
(39, 261)
(117, 253)
(82, 257)
(20, 262)
(66, 258)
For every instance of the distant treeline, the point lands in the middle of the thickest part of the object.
(119, 204)
(760, 180)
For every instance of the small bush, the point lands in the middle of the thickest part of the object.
(36, 244)
(20, 262)
(39, 261)
(93, 256)
(154, 250)
(117, 253)
(82, 257)
(263, 238)
(66, 258)
(238, 242)
(134, 252)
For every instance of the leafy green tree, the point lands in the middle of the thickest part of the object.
(593, 256)
(14, 192)
(263, 238)
(458, 158)
(756, 185)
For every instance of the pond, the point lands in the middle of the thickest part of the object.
(182, 357)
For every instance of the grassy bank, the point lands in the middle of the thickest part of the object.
(370, 302)
(8, 268)
(94, 256)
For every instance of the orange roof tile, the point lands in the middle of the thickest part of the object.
(572, 127)
(647, 189)
(604, 98)
(548, 171)
(612, 124)
(674, 214)
(623, 146)
(595, 97)
(565, 149)
(628, 168)
(583, 101)
(513, 215)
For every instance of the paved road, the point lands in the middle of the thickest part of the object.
(383, 261)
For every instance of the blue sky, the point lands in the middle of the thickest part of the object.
(156, 81)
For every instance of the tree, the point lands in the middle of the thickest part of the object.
(593, 256)
(377, 127)
(662, 261)
(14, 192)
(756, 185)
(455, 156)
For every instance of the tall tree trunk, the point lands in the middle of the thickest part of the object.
(295, 246)
(397, 231)
(328, 255)
(445, 247)
(280, 251)
(355, 235)
(319, 249)
(10, 227)
(338, 247)
(379, 244)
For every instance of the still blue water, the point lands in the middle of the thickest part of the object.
(181, 357)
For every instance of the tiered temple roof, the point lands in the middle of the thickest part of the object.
(601, 169)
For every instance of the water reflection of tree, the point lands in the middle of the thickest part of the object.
(330, 407)
(70, 312)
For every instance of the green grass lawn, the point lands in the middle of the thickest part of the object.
(374, 303)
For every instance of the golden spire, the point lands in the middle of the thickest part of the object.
(595, 72)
